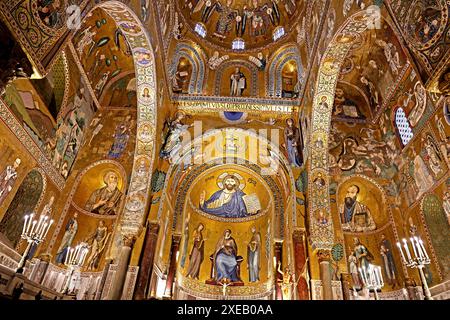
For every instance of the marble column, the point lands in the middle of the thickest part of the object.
(101, 285)
(122, 268)
(346, 279)
(324, 257)
(410, 286)
(298, 239)
(278, 277)
(173, 264)
(146, 261)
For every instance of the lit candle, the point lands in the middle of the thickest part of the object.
(48, 228)
(32, 228)
(401, 251)
(362, 276)
(419, 249)
(41, 234)
(366, 280)
(405, 245)
(423, 249)
(414, 248)
(29, 223)
(41, 230)
(67, 255)
(25, 224)
(85, 252)
(38, 227)
(381, 277)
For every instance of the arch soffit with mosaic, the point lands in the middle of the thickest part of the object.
(322, 236)
(197, 57)
(277, 62)
(144, 63)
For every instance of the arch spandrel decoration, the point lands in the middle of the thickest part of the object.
(322, 235)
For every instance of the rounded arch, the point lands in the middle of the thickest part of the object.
(133, 216)
(196, 57)
(25, 201)
(274, 84)
(69, 202)
(322, 235)
(189, 159)
(238, 63)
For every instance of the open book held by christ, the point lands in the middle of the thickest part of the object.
(252, 203)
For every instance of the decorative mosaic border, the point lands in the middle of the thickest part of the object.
(33, 149)
(273, 83)
(322, 235)
(133, 215)
(187, 152)
(199, 71)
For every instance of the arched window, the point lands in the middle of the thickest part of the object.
(278, 33)
(238, 44)
(200, 29)
(403, 126)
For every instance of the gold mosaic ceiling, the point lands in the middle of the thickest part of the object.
(254, 21)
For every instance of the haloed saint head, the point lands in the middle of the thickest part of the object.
(231, 182)
(352, 194)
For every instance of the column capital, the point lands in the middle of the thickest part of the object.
(128, 240)
(324, 255)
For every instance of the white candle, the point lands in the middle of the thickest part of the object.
(423, 249)
(41, 231)
(381, 276)
(405, 245)
(38, 227)
(25, 224)
(48, 228)
(414, 247)
(362, 276)
(44, 227)
(67, 255)
(32, 228)
(401, 251)
(29, 223)
(85, 252)
(419, 249)
(366, 280)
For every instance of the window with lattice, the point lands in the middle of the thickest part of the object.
(403, 126)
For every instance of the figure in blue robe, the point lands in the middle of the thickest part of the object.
(227, 202)
(225, 259)
(234, 208)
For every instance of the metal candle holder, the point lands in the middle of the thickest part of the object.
(419, 260)
(34, 232)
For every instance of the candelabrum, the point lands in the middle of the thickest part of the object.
(419, 260)
(372, 279)
(75, 258)
(34, 232)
